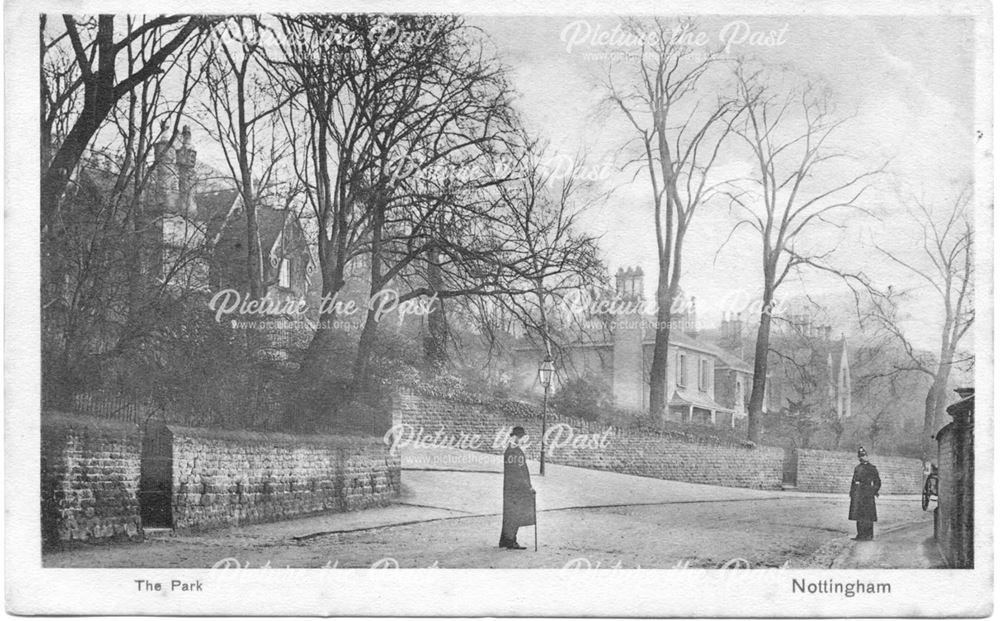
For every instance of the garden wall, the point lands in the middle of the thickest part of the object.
(643, 453)
(830, 471)
(89, 479)
(103, 479)
(222, 478)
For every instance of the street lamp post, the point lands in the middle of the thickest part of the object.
(545, 373)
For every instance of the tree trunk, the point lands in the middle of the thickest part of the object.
(661, 344)
(367, 340)
(362, 361)
(756, 409)
(934, 407)
(254, 253)
(436, 341)
(56, 176)
(316, 375)
(255, 271)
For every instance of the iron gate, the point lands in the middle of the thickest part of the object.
(156, 477)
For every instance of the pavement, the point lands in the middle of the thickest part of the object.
(562, 487)
(908, 545)
(448, 515)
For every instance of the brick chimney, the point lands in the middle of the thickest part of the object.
(165, 187)
(186, 157)
(691, 318)
(628, 379)
(628, 283)
(174, 175)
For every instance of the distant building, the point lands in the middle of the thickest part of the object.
(839, 380)
(709, 372)
(807, 350)
(704, 383)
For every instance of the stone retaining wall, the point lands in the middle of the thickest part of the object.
(93, 470)
(89, 479)
(599, 447)
(830, 471)
(230, 478)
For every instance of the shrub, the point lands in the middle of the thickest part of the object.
(585, 397)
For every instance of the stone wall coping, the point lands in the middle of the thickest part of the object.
(872, 457)
(261, 437)
(53, 418)
(555, 418)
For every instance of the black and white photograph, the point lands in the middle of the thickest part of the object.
(672, 290)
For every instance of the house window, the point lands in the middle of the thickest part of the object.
(682, 370)
(703, 374)
(285, 274)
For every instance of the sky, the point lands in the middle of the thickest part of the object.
(906, 82)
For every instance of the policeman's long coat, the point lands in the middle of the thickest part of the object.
(864, 487)
(518, 498)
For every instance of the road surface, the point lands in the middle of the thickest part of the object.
(448, 516)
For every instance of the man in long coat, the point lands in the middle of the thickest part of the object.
(864, 488)
(518, 495)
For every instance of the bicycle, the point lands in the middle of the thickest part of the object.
(930, 488)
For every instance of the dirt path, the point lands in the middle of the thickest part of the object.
(767, 532)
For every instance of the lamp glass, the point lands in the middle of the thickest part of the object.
(546, 371)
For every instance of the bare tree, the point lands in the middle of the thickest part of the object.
(679, 129)
(945, 264)
(552, 257)
(60, 88)
(96, 52)
(109, 281)
(794, 191)
(240, 107)
(380, 119)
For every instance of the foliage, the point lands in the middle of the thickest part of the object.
(586, 397)
(795, 422)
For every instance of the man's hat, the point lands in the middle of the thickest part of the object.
(518, 431)
(862, 452)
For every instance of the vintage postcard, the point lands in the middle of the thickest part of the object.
(431, 308)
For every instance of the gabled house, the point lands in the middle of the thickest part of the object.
(810, 367)
(286, 261)
(704, 383)
(196, 210)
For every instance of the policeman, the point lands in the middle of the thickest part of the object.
(864, 488)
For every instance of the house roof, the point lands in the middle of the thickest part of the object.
(214, 196)
(270, 222)
(214, 208)
(682, 339)
(731, 361)
(95, 183)
(684, 397)
(678, 338)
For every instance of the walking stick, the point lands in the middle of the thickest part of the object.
(534, 511)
